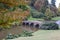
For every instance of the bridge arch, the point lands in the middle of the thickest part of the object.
(27, 23)
(37, 25)
(23, 23)
(32, 24)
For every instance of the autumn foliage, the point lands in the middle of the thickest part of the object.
(8, 17)
(13, 2)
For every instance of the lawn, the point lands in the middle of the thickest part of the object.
(41, 19)
(56, 18)
(43, 35)
(33, 19)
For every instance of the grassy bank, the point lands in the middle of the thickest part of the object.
(43, 35)
(56, 18)
(33, 19)
(41, 19)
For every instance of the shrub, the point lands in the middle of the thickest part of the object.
(23, 34)
(48, 14)
(23, 7)
(10, 36)
(12, 9)
(50, 26)
(26, 33)
(36, 14)
(3, 6)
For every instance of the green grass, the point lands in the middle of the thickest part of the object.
(56, 18)
(42, 35)
(33, 19)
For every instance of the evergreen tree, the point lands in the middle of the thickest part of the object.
(32, 3)
(58, 10)
(53, 2)
(46, 2)
(45, 6)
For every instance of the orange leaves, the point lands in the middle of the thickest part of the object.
(10, 17)
(14, 15)
(13, 2)
(17, 15)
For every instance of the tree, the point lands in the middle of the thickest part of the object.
(45, 6)
(48, 14)
(32, 2)
(12, 3)
(36, 14)
(58, 10)
(53, 2)
(10, 12)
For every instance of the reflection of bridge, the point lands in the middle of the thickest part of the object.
(36, 24)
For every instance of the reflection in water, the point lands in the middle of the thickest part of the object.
(16, 30)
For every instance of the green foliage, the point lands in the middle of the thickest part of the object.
(10, 36)
(56, 18)
(58, 14)
(43, 9)
(12, 9)
(32, 19)
(48, 14)
(35, 14)
(23, 7)
(26, 34)
(3, 6)
(1, 21)
(51, 26)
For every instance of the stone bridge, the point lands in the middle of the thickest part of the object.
(36, 24)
